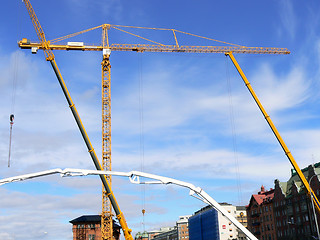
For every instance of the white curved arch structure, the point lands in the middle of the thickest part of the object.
(134, 177)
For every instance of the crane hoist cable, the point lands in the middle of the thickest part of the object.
(13, 100)
(10, 138)
(234, 134)
(141, 120)
(14, 82)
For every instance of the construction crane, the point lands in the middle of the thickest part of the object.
(108, 196)
(228, 49)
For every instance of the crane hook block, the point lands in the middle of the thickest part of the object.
(11, 118)
(143, 211)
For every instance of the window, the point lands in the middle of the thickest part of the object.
(298, 219)
(308, 228)
(91, 236)
(292, 220)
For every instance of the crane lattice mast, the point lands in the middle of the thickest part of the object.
(106, 215)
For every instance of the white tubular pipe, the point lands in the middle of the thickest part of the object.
(134, 177)
(29, 176)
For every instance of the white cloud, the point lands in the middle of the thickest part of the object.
(288, 18)
(282, 92)
(112, 10)
(48, 214)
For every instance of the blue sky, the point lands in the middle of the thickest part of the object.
(200, 124)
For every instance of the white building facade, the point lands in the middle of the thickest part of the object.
(227, 230)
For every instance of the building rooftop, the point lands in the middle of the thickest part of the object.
(143, 234)
(86, 218)
(91, 219)
(183, 219)
(262, 197)
(240, 208)
(308, 172)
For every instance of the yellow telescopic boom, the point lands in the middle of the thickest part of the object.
(277, 134)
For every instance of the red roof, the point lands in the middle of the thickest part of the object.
(262, 196)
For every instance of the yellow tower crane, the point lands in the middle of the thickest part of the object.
(108, 196)
(228, 49)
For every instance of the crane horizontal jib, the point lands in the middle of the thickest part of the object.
(26, 44)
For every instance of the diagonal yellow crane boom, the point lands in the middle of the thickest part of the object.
(108, 196)
(228, 49)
